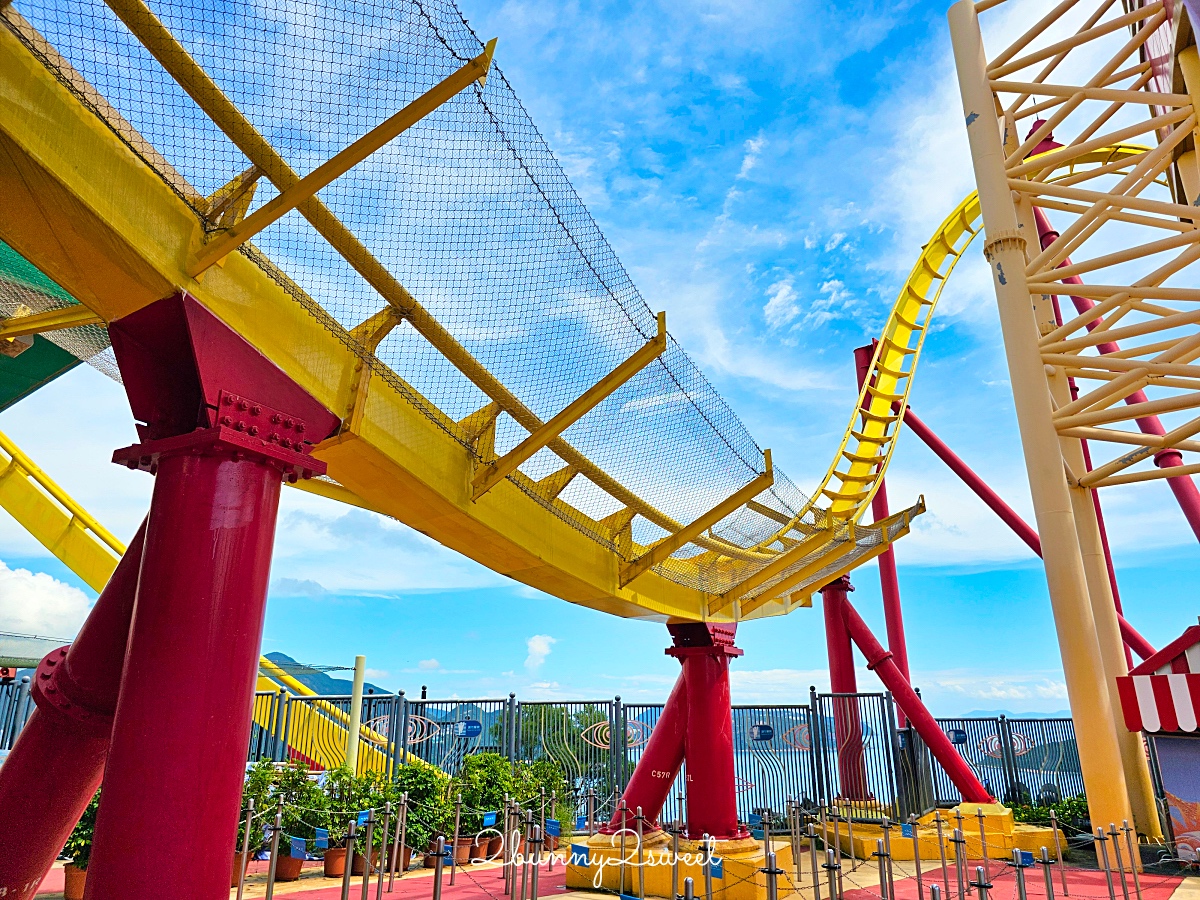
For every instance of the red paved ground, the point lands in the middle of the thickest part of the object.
(416, 886)
(1085, 884)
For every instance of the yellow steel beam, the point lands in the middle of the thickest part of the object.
(51, 320)
(668, 545)
(342, 162)
(496, 471)
(806, 547)
(59, 524)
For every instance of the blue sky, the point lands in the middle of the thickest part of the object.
(767, 172)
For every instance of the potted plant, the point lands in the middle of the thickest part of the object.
(484, 780)
(346, 796)
(260, 779)
(430, 813)
(79, 848)
(542, 781)
(305, 809)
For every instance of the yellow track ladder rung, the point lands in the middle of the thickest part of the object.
(899, 348)
(884, 395)
(849, 498)
(860, 458)
(871, 438)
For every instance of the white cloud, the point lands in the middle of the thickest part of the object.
(783, 303)
(36, 603)
(538, 647)
(429, 665)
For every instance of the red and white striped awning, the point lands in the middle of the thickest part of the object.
(1163, 693)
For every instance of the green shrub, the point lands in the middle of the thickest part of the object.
(484, 780)
(79, 844)
(1071, 813)
(430, 811)
(260, 780)
(305, 804)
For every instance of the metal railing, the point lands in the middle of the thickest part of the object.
(843, 748)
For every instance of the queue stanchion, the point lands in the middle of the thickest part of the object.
(772, 872)
(533, 883)
(1134, 860)
(916, 841)
(454, 845)
(881, 860)
(1046, 864)
(987, 869)
(960, 862)
(937, 818)
(708, 857)
(384, 851)
(349, 870)
(832, 866)
(689, 891)
(276, 831)
(1116, 845)
(367, 853)
(439, 863)
(639, 818)
(887, 848)
(1102, 843)
(245, 848)
(812, 849)
(529, 826)
(1019, 869)
(1058, 854)
(398, 844)
(981, 884)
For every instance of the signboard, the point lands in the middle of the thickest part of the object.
(956, 735)
(906, 830)
(322, 841)
(553, 828)
(717, 867)
(469, 728)
(581, 823)
(490, 818)
(762, 732)
(1179, 763)
(579, 855)
(362, 817)
(299, 850)
(1026, 858)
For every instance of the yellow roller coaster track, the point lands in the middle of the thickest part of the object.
(91, 203)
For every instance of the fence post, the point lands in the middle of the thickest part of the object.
(618, 749)
(1008, 762)
(901, 788)
(402, 740)
(816, 731)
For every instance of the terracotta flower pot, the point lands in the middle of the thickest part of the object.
(495, 845)
(462, 850)
(75, 877)
(287, 868)
(335, 862)
(360, 862)
(240, 862)
(430, 860)
(405, 860)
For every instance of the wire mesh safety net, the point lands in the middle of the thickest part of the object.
(468, 209)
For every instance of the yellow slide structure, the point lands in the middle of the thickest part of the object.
(97, 208)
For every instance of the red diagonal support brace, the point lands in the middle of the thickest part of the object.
(56, 765)
(881, 663)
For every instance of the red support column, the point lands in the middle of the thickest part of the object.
(57, 762)
(705, 651)
(889, 582)
(881, 663)
(696, 729)
(223, 428)
(847, 723)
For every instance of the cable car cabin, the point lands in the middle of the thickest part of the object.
(1161, 697)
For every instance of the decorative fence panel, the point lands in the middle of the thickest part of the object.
(837, 748)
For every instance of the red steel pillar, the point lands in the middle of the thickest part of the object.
(57, 762)
(705, 651)
(696, 727)
(847, 724)
(223, 428)
(881, 663)
(889, 582)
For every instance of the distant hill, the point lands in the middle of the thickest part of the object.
(318, 681)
